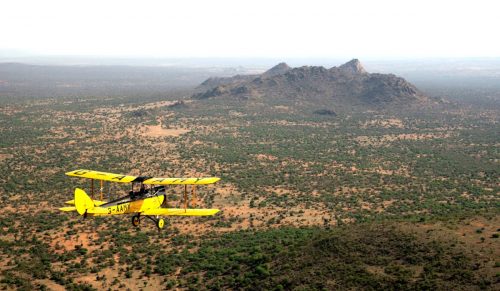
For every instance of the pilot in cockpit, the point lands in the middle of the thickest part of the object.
(142, 191)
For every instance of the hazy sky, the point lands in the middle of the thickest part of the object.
(232, 28)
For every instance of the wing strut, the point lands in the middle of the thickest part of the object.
(193, 195)
(185, 198)
(92, 188)
(102, 187)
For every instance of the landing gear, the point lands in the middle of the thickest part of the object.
(136, 220)
(160, 223)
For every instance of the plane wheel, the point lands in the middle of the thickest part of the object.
(136, 220)
(160, 223)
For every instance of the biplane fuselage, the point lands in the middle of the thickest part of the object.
(146, 202)
(131, 206)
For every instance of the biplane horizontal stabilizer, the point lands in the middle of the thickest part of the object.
(68, 208)
(98, 211)
(96, 202)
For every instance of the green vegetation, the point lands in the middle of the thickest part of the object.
(361, 182)
(365, 256)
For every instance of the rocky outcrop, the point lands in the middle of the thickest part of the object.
(279, 69)
(348, 84)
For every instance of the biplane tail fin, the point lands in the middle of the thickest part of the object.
(82, 201)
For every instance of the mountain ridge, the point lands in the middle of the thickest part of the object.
(346, 85)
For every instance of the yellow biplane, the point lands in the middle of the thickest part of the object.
(145, 201)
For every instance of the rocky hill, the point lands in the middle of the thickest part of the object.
(348, 84)
(213, 82)
(279, 69)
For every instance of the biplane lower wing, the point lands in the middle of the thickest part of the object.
(85, 205)
(180, 212)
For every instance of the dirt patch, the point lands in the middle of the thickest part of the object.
(236, 113)
(282, 108)
(122, 108)
(364, 140)
(51, 285)
(385, 123)
(5, 156)
(81, 240)
(159, 131)
(263, 157)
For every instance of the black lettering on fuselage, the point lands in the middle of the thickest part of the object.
(79, 173)
(122, 207)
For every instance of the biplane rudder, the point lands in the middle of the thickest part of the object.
(82, 201)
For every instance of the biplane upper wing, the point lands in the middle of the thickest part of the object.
(182, 181)
(180, 212)
(89, 174)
